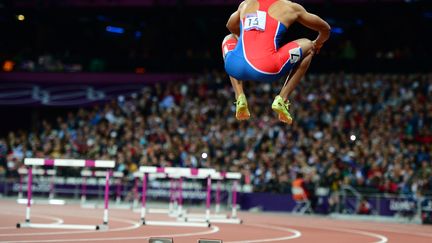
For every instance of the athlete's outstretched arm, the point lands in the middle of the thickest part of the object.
(313, 22)
(233, 23)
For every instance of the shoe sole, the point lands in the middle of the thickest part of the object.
(281, 115)
(243, 114)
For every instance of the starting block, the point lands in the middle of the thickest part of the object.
(209, 241)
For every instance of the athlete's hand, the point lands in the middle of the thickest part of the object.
(317, 46)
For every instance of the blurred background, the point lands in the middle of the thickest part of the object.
(142, 82)
(141, 36)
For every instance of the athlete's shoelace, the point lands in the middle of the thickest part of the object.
(286, 105)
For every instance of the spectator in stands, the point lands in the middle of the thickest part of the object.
(364, 207)
(298, 188)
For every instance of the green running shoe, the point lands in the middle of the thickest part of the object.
(282, 107)
(242, 111)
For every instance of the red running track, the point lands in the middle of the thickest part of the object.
(257, 227)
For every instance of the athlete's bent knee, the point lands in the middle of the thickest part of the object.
(228, 37)
(306, 45)
(228, 44)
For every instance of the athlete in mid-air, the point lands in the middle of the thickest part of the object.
(253, 51)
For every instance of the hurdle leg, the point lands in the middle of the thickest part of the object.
(180, 198)
(171, 203)
(29, 198)
(143, 198)
(29, 193)
(208, 201)
(218, 191)
(105, 218)
(234, 200)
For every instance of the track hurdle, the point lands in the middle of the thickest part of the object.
(172, 172)
(172, 208)
(217, 218)
(41, 172)
(31, 162)
(117, 175)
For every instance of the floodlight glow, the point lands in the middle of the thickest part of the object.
(113, 29)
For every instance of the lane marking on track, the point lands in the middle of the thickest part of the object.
(396, 228)
(134, 225)
(213, 230)
(296, 234)
(382, 238)
(55, 219)
(418, 234)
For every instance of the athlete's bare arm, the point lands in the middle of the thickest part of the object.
(313, 22)
(233, 23)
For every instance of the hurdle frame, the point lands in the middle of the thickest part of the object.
(116, 175)
(216, 218)
(170, 211)
(171, 172)
(40, 172)
(31, 162)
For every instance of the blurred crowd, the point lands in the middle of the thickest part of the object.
(369, 131)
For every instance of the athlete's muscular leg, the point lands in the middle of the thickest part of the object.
(242, 111)
(236, 84)
(298, 72)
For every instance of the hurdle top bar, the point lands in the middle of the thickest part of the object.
(191, 172)
(226, 175)
(101, 173)
(24, 171)
(177, 171)
(70, 162)
(139, 174)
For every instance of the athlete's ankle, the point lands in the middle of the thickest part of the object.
(240, 94)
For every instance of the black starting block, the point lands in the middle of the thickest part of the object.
(209, 241)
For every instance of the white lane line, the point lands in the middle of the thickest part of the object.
(382, 238)
(295, 234)
(55, 219)
(396, 228)
(214, 229)
(134, 225)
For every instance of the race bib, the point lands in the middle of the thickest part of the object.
(255, 21)
(295, 55)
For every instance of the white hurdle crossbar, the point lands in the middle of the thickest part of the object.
(30, 162)
(177, 173)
